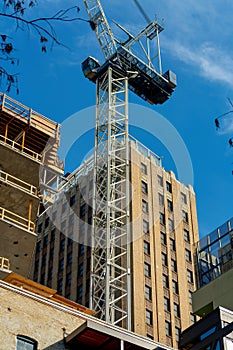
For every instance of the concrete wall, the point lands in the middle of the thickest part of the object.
(214, 294)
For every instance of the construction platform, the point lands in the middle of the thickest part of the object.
(28, 153)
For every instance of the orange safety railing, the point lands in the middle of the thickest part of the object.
(18, 147)
(14, 181)
(4, 263)
(17, 219)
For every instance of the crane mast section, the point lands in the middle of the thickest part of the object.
(110, 260)
(103, 31)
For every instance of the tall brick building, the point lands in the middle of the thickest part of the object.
(164, 228)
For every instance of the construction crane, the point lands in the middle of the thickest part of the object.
(122, 70)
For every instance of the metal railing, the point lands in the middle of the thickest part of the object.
(16, 219)
(35, 118)
(14, 181)
(4, 263)
(18, 147)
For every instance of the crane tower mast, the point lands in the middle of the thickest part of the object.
(123, 70)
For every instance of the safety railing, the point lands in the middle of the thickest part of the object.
(16, 219)
(36, 119)
(4, 263)
(18, 147)
(15, 182)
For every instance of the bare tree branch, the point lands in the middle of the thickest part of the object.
(14, 10)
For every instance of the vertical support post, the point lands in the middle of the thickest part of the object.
(110, 261)
(29, 214)
(23, 139)
(6, 133)
(159, 52)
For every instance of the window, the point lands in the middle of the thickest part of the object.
(186, 236)
(144, 168)
(71, 220)
(39, 228)
(144, 206)
(63, 226)
(166, 302)
(183, 198)
(80, 292)
(147, 248)
(72, 200)
(80, 270)
(173, 265)
(160, 180)
(161, 199)
(190, 276)
(175, 287)
(192, 318)
(53, 234)
(170, 225)
(163, 238)
(25, 343)
(169, 186)
(51, 254)
(46, 241)
(69, 258)
(63, 209)
(54, 216)
(162, 218)
(172, 244)
(168, 328)
(81, 249)
(61, 265)
(177, 333)
(62, 245)
(46, 224)
(144, 187)
(38, 246)
(188, 255)
(190, 296)
(59, 286)
(169, 205)
(145, 226)
(68, 279)
(82, 210)
(149, 317)
(148, 293)
(164, 259)
(165, 281)
(82, 229)
(44, 259)
(147, 270)
(176, 310)
(185, 216)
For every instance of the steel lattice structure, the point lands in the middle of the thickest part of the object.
(110, 274)
(123, 70)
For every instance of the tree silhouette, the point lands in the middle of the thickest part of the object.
(17, 11)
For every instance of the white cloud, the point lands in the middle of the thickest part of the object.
(210, 62)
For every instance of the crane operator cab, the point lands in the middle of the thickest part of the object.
(90, 68)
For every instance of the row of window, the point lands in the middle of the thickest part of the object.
(162, 218)
(147, 268)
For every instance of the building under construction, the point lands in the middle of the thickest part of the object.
(163, 229)
(28, 157)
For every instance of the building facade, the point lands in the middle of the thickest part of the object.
(164, 229)
(213, 298)
(214, 266)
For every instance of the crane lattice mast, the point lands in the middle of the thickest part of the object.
(110, 295)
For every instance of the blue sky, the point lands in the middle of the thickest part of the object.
(196, 44)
